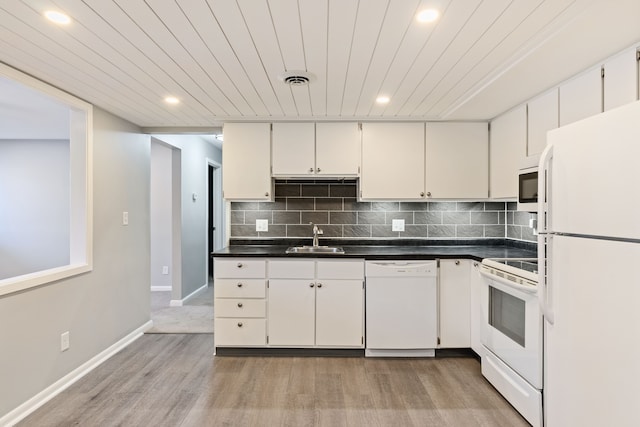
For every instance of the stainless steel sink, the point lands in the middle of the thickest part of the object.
(315, 250)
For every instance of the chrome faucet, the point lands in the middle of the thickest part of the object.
(316, 231)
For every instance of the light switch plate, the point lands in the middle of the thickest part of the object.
(397, 225)
(262, 225)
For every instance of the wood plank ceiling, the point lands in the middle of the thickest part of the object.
(224, 58)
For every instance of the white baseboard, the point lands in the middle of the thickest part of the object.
(22, 411)
(160, 288)
(180, 302)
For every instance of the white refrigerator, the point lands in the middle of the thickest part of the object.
(589, 291)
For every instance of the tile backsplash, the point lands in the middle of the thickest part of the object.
(334, 207)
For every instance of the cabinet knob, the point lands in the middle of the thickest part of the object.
(239, 265)
(266, 194)
(428, 193)
(319, 285)
(422, 194)
(475, 264)
(239, 305)
(310, 170)
(457, 262)
(318, 170)
(311, 285)
(239, 284)
(239, 324)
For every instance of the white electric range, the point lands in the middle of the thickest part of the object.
(511, 332)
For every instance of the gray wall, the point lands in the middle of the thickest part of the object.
(34, 200)
(334, 207)
(97, 308)
(161, 214)
(194, 151)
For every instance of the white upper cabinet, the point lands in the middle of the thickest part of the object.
(246, 156)
(314, 149)
(506, 149)
(392, 161)
(621, 79)
(542, 116)
(338, 149)
(293, 149)
(581, 97)
(457, 160)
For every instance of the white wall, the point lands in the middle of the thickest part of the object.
(98, 308)
(161, 214)
(194, 152)
(34, 200)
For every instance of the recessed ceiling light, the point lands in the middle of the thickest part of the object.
(382, 99)
(57, 17)
(427, 15)
(171, 100)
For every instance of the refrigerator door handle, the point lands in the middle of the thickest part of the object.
(544, 235)
(543, 178)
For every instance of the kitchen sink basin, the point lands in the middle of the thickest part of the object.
(315, 250)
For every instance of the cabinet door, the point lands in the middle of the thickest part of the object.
(475, 309)
(337, 149)
(339, 313)
(621, 80)
(291, 314)
(542, 117)
(581, 97)
(455, 327)
(293, 149)
(457, 163)
(392, 161)
(246, 156)
(506, 149)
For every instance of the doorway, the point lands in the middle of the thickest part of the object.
(215, 213)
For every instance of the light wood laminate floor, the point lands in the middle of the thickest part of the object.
(173, 380)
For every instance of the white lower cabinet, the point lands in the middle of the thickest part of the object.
(475, 308)
(240, 304)
(339, 313)
(291, 312)
(454, 296)
(314, 303)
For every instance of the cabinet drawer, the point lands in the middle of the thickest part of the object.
(237, 307)
(240, 267)
(240, 332)
(239, 288)
(292, 269)
(341, 270)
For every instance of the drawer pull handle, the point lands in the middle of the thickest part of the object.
(239, 324)
(457, 262)
(239, 305)
(239, 265)
(239, 284)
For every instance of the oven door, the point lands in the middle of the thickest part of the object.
(512, 326)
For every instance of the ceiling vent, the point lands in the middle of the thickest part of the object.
(296, 78)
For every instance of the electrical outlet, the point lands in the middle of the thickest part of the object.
(125, 218)
(262, 225)
(64, 341)
(165, 269)
(397, 225)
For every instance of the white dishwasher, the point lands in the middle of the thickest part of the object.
(401, 308)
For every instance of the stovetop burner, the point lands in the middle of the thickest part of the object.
(527, 264)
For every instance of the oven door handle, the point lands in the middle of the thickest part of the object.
(509, 283)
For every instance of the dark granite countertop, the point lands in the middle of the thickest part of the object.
(389, 249)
